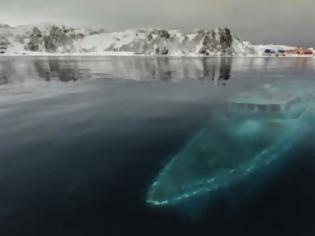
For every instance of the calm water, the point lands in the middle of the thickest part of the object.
(82, 138)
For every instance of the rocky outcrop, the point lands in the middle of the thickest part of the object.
(4, 44)
(161, 42)
(36, 42)
(62, 39)
(56, 39)
(219, 40)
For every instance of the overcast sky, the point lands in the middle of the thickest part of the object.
(264, 21)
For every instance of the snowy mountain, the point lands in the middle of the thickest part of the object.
(55, 39)
(162, 42)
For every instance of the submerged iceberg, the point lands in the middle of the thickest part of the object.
(249, 135)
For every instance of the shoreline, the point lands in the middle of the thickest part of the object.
(130, 54)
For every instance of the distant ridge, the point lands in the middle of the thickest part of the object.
(45, 39)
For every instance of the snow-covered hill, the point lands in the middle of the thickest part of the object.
(55, 39)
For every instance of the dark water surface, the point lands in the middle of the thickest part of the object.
(81, 139)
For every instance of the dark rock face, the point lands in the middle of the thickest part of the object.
(161, 51)
(4, 44)
(36, 41)
(57, 38)
(163, 34)
(219, 40)
(5, 26)
(226, 39)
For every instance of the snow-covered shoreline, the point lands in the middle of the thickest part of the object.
(58, 40)
(130, 54)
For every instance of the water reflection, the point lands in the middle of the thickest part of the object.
(58, 70)
(18, 70)
(217, 70)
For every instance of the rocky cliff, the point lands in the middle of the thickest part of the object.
(62, 39)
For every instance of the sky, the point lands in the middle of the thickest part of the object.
(265, 21)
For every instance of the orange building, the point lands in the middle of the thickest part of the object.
(300, 51)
